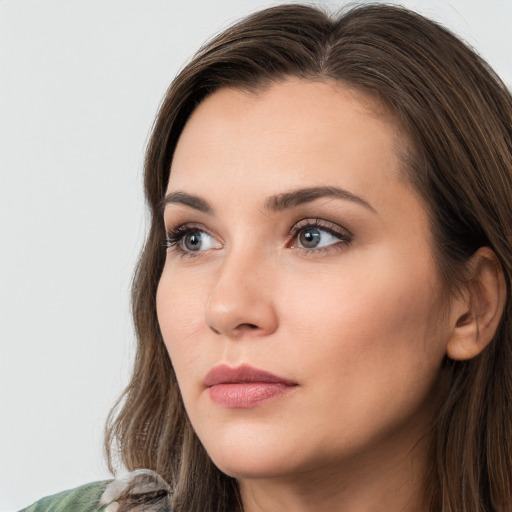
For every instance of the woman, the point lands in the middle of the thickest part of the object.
(322, 303)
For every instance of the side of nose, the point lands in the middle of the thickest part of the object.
(241, 302)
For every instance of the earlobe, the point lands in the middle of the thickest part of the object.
(477, 310)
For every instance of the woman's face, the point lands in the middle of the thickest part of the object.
(299, 301)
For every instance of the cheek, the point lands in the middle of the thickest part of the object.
(373, 320)
(180, 310)
(370, 349)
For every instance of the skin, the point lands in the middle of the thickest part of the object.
(361, 324)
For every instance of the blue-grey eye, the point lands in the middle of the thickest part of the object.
(197, 240)
(315, 238)
(310, 238)
(192, 241)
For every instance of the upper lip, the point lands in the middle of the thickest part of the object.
(224, 374)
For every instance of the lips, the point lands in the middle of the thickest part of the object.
(244, 386)
(224, 374)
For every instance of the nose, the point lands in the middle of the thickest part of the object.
(242, 299)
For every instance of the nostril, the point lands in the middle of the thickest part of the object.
(248, 326)
(241, 327)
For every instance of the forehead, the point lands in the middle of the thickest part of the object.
(292, 133)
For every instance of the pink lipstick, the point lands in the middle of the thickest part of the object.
(244, 386)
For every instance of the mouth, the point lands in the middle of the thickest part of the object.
(244, 386)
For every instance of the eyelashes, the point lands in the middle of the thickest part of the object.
(308, 235)
(315, 235)
(190, 239)
(175, 236)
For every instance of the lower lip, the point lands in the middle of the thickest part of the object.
(246, 394)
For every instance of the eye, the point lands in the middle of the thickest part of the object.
(315, 235)
(314, 238)
(187, 239)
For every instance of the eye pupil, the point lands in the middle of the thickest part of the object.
(192, 241)
(309, 238)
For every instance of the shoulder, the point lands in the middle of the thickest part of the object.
(141, 489)
(82, 499)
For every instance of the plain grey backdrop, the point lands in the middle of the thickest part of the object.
(80, 83)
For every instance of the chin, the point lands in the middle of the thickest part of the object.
(243, 468)
(251, 454)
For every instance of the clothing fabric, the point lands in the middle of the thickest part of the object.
(137, 491)
(82, 499)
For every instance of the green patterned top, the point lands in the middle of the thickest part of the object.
(136, 491)
(82, 499)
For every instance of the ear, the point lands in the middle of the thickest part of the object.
(477, 310)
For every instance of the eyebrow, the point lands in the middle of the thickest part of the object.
(305, 195)
(275, 203)
(194, 202)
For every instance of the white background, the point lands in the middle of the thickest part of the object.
(80, 83)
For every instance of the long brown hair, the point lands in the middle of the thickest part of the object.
(457, 116)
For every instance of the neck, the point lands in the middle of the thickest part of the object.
(378, 483)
